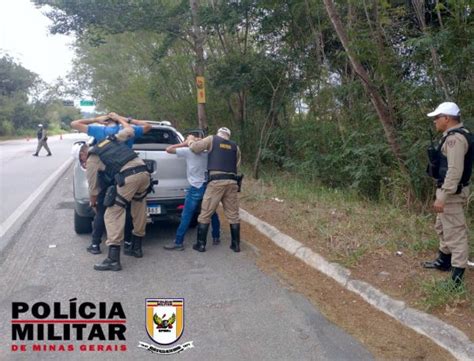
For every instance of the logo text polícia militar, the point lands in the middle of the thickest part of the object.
(71, 321)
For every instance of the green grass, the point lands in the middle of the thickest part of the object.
(348, 226)
(437, 293)
(425, 245)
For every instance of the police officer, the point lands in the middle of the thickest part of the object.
(100, 127)
(223, 162)
(130, 172)
(42, 136)
(451, 166)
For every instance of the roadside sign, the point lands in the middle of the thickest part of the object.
(87, 103)
(201, 90)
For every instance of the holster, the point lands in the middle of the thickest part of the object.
(110, 195)
(240, 177)
(150, 188)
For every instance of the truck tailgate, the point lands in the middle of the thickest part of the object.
(169, 170)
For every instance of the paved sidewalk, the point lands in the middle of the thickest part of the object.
(448, 337)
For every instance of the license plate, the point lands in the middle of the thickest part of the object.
(154, 209)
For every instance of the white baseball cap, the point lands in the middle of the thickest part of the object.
(224, 130)
(40, 125)
(446, 108)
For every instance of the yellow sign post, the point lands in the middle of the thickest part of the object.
(201, 91)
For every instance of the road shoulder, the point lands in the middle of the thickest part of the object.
(375, 329)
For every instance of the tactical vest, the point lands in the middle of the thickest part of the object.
(39, 134)
(113, 154)
(438, 162)
(223, 156)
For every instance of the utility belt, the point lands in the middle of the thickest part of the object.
(439, 184)
(111, 195)
(120, 177)
(226, 176)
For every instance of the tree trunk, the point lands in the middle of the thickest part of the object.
(375, 97)
(267, 125)
(419, 7)
(199, 68)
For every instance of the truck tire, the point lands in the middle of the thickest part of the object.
(82, 225)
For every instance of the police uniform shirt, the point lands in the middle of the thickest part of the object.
(454, 148)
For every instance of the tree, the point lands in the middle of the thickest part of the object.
(174, 20)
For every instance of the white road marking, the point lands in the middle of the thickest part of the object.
(26, 205)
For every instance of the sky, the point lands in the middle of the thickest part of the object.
(24, 35)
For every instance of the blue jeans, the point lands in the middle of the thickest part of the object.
(191, 202)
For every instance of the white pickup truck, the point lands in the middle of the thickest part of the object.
(169, 170)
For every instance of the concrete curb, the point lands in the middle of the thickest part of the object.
(444, 335)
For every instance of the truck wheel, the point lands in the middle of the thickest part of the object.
(82, 225)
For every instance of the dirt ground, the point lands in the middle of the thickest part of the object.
(395, 275)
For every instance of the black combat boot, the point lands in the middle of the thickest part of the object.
(112, 262)
(127, 248)
(136, 250)
(200, 244)
(442, 263)
(457, 275)
(235, 236)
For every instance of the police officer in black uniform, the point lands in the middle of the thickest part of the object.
(223, 185)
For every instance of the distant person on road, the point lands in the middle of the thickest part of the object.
(100, 128)
(451, 166)
(196, 168)
(223, 185)
(42, 136)
(121, 163)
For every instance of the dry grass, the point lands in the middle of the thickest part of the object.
(380, 243)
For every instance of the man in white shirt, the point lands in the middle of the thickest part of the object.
(196, 167)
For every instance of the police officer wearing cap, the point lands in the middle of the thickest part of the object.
(451, 166)
(115, 158)
(223, 162)
(42, 136)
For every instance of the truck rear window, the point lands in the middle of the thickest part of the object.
(158, 136)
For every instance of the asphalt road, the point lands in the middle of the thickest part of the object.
(233, 311)
(21, 173)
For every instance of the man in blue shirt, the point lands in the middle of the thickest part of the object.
(100, 128)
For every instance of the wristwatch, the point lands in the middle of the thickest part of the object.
(129, 120)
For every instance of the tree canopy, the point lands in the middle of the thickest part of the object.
(337, 93)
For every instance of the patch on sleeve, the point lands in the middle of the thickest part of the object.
(451, 143)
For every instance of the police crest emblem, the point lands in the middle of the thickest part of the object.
(164, 319)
